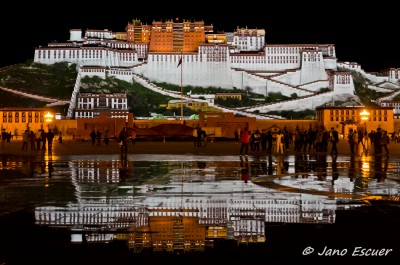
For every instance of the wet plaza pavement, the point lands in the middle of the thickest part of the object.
(103, 209)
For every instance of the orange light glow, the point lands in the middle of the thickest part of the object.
(364, 115)
(48, 117)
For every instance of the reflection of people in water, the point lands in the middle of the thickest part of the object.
(321, 167)
(4, 161)
(245, 170)
(123, 170)
(201, 164)
(280, 165)
(351, 169)
(380, 171)
(32, 168)
(50, 167)
(301, 165)
(335, 174)
(270, 169)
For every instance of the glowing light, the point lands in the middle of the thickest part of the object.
(48, 117)
(364, 115)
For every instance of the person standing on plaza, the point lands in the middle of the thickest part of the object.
(351, 140)
(50, 137)
(334, 141)
(256, 141)
(60, 137)
(44, 139)
(38, 139)
(199, 136)
(93, 136)
(377, 142)
(3, 138)
(360, 138)
(194, 134)
(204, 138)
(263, 140)
(279, 142)
(32, 141)
(133, 137)
(366, 140)
(318, 140)
(286, 139)
(236, 134)
(385, 141)
(355, 137)
(270, 140)
(98, 137)
(106, 136)
(123, 141)
(244, 141)
(325, 140)
(25, 140)
(9, 137)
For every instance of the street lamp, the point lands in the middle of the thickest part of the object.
(364, 117)
(48, 118)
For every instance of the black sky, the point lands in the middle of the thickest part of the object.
(365, 33)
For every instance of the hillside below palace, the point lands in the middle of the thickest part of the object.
(191, 54)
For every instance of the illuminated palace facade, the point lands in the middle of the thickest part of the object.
(240, 59)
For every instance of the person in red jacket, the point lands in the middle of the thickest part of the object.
(245, 141)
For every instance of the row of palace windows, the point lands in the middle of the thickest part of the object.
(353, 112)
(353, 118)
(23, 120)
(23, 114)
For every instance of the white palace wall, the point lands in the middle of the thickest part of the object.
(312, 67)
(357, 68)
(316, 86)
(296, 104)
(193, 73)
(87, 56)
(212, 66)
(290, 77)
(330, 63)
(343, 84)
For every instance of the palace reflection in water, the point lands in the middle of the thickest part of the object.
(188, 202)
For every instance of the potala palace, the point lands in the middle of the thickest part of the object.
(241, 59)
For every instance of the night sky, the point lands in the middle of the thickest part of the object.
(365, 33)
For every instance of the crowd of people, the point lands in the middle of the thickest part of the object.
(309, 140)
(37, 141)
(259, 141)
